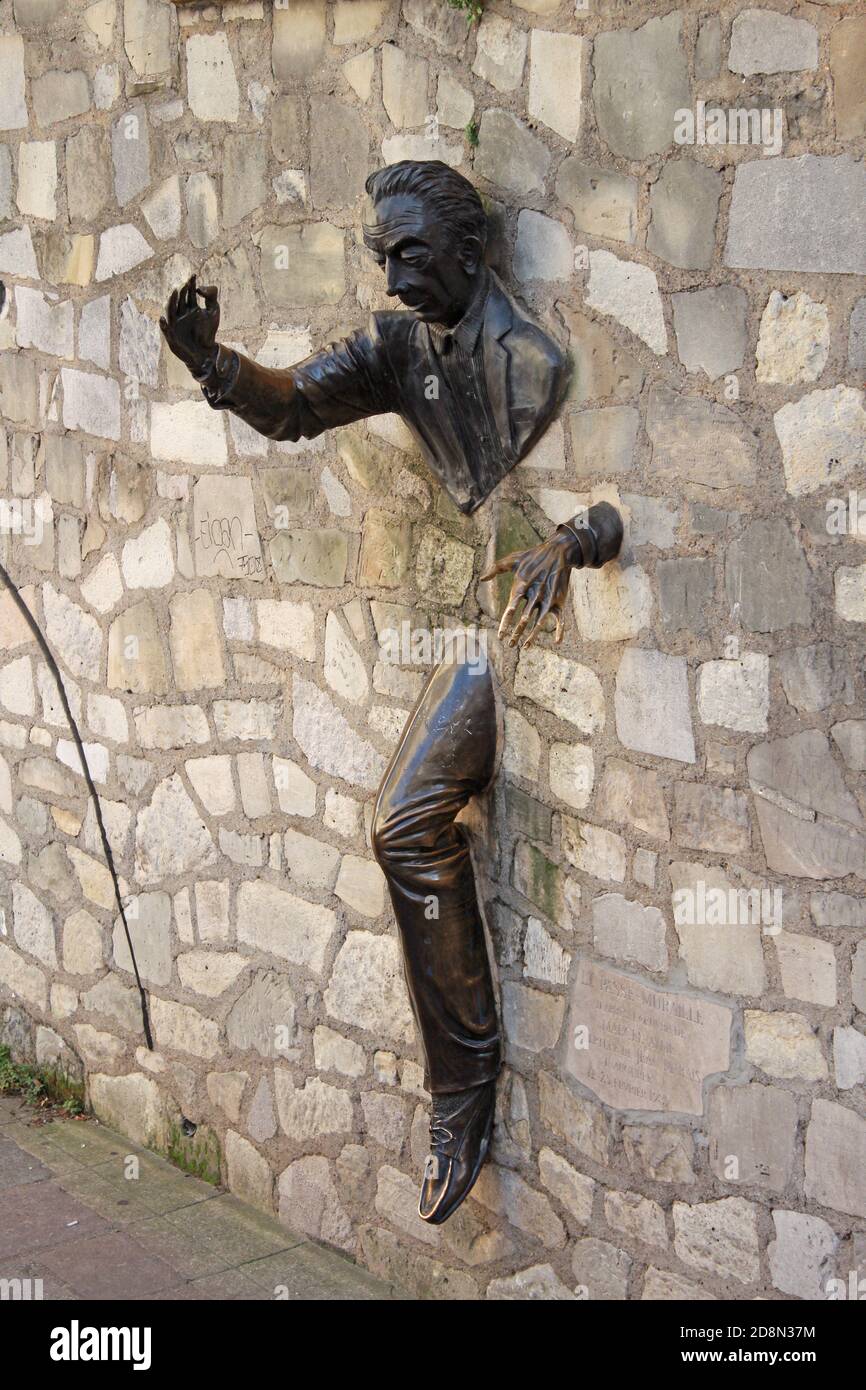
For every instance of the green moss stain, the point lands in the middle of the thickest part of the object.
(513, 532)
(41, 1085)
(198, 1154)
(473, 9)
(539, 880)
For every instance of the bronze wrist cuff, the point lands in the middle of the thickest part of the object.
(598, 532)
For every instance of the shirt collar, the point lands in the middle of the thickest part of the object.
(467, 331)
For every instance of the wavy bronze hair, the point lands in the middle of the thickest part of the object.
(450, 197)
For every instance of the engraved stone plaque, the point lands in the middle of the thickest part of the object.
(641, 1048)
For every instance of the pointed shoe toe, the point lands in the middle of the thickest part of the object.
(460, 1130)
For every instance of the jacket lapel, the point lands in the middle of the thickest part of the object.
(497, 323)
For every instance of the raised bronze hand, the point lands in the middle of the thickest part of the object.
(541, 574)
(541, 578)
(190, 328)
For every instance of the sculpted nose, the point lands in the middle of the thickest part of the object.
(394, 282)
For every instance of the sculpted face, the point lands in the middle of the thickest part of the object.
(423, 267)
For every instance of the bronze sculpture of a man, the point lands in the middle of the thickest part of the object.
(498, 382)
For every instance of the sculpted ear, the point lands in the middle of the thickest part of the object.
(470, 254)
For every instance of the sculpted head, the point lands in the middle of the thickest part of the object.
(426, 226)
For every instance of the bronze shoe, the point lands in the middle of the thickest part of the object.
(461, 1124)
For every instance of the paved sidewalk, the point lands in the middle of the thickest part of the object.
(74, 1220)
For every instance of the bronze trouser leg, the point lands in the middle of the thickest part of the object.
(446, 754)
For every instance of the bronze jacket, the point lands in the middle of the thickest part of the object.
(386, 367)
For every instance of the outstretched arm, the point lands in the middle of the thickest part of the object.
(541, 574)
(345, 382)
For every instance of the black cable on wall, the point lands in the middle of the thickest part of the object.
(55, 671)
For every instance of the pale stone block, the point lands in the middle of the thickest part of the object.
(212, 87)
(784, 1045)
(147, 561)
(329, 742)
(836, 1158)
(121, 248)
(17, 693)
(652, 705)
(367, 988)
(455, 104)
(170, 838)
(641, 80)
(567, 689)
(522, 753)
(171, 726)
(635, 1217)
(604, 203)
(183, 1029)
(808, 968)
(632, 795)
(719, 1237)
(616, 606)
(777, 220)
(211, 780)
(500, 52)
(296, 792)
(361, 885)
(17, 256)
(822, 438)
(802, 1256)
(226, 1090)
(187, 432)
(13, 105)
(404, 86)
(602, 1271)
(212, 909)
(532, 1020)
(543, 249)
(309, 1200)
(37, 179)
(629, 293)
(299, 40)
(735, 694)
(543, 957)
(74, 634)
(593, 850)
(794, 340)
(355, 21)
(284, 925)
(310, 863)
(136, 662)
(210, 973)
(572, 773)
(313, 1110)
(56, 96)
(627, 931)
(850, 593)
(555, 81)
(849, 1058)
(194, 639)
(344, 668)
(333, 1052)
(752, 1132)
(33, 925)
(94, 332)
(764, 41)
(148, 917)
(573, 1189)
(23, 980)
(91, 403)
(249, 1174)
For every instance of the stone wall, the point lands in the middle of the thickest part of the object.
(215, 602)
